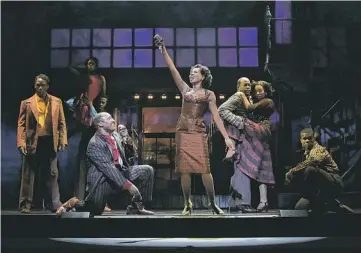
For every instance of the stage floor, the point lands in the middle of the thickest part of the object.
(171, 224)
(197, 213)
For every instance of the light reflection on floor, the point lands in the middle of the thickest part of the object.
(188, 242)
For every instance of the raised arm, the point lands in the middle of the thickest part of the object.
(182, 86)
(104, 85)
(73, 68)
(91, 109)
(218, 121)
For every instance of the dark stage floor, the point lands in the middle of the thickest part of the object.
(170, 224)
(161, 214)
(169, 231)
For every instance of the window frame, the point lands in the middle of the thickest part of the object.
(156, 61)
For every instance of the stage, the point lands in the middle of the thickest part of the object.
(170, 224)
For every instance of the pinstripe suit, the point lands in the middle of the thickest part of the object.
(104, 177)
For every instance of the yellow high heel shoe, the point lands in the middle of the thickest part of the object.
(188, 208)
(215, 209)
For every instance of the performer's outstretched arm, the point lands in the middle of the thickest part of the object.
(104, 85)
(73, 68)
(182, 86)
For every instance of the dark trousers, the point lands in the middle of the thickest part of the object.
(42, 164)
(141, 175)
(97, 198)
(319, 185)
(143, 178)
(82, 169)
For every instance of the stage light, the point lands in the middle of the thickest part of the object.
(150, 96)
(164, 96)
(136, 97)
(177, 96)
(221, 97)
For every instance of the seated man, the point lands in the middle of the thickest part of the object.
(107, 171)
(321, 180)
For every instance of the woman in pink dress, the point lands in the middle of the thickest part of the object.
(93, 87)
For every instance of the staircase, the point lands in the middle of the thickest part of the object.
(340, 132)
(334, 80)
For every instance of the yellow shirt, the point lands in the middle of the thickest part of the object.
(42, 107)
(319, 157)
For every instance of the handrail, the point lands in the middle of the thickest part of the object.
(351, 168)
(331, 108)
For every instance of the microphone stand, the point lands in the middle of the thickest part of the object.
(135, 136)
(280, 86)
(267, 19)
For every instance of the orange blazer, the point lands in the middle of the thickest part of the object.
(27, 134)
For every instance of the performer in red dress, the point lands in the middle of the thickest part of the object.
(93, 87)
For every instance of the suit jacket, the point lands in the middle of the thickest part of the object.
(101, 164)
(27, 134)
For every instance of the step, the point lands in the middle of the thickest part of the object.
(336, 125)
(352, 144)
(337, 141)
(289, 200)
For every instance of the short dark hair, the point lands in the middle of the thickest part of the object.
(207, 81)
(239, 81)
(266, 86)
(104, 96)
(307, 131)
(44, 77)
(93, 59)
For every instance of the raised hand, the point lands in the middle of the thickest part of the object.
(158, 41)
